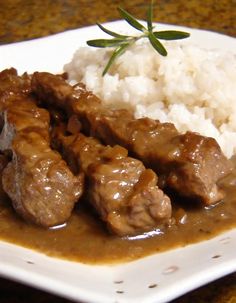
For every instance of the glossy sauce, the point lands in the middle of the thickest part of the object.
(85, 238)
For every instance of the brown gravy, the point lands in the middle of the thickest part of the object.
(85, 239)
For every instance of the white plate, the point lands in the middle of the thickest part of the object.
(158, 278)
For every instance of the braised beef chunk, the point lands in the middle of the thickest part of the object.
(122, 191)
(52, 90)
(189, 163)
(12, 83)
(41, 186)
(3, 163)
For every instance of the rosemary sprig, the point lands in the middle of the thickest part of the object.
(122, 42)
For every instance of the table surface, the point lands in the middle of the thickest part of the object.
(27, 19)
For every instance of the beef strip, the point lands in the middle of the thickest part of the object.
(3, 163)
(189, 163)
(41, 186)
(11, 83)
(122, 191)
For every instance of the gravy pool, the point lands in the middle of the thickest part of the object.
(85, 239)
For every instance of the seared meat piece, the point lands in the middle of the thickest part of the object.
(11, 83)
(189, 163)
(3, 164)
(41, 186)
(123, 192)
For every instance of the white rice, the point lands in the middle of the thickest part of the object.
(192, 87)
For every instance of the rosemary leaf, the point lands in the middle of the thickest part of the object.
(121, 42)
(171, 35)
(117, 52)
(131, 20)
(105, 42)
(149, 17)
(157, 44)
(113, 34)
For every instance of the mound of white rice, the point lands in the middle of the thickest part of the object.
(192, 87)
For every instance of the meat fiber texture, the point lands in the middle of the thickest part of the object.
(41, 186)
(123, 192)
(190, 164)
(192, 87)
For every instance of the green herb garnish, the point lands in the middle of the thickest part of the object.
(122, 42)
